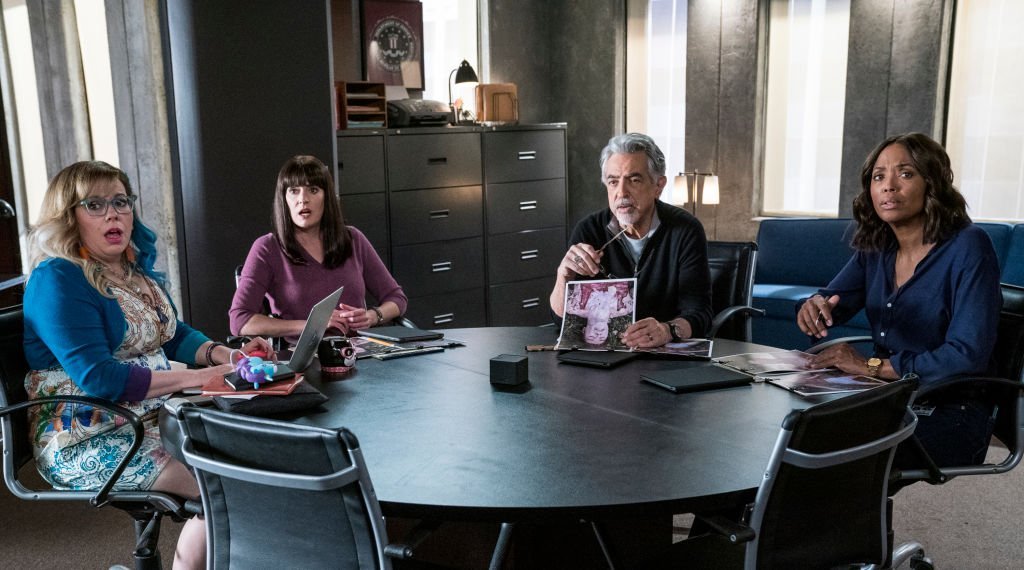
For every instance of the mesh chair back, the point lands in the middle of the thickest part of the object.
(279, 494)
(13, 368)
(825, 512)
(732, 267)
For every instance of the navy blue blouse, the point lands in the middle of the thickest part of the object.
(942, 322)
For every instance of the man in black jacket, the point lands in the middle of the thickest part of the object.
(663, 247)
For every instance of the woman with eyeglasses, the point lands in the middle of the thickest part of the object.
(310, 253)
(99, 323)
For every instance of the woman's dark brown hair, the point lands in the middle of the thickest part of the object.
(945, 210)
(309, 171)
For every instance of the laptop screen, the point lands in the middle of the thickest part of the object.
(313, 332)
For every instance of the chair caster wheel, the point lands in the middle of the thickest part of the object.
(921, 563)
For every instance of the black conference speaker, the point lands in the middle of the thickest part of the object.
(509, 370)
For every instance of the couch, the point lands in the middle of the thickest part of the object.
(797, 256)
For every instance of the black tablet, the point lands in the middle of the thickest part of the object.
(598, 359)
(696, 376)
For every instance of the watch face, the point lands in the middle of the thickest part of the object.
(396, 43)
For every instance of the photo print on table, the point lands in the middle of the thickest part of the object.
(596, 313)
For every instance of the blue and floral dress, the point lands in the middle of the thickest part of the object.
(78, 446)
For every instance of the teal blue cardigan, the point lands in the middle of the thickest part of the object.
(69, 324)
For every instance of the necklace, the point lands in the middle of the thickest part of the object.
(130, 285)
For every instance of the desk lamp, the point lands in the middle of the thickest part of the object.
(464, 73)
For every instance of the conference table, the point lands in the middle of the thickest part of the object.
(441, 441)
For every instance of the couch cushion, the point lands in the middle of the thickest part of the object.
(802, 251)
(1000, 233)
(1013, 269)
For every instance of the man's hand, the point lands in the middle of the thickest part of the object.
(581, 259)
(649, 333)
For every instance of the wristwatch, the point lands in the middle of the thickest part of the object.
(873, 365)
(672, 331)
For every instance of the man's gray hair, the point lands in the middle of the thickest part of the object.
(635, 142)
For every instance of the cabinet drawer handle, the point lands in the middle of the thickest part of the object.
(437, 161)
(439, 214)
(531, 303)
(440, 267)
(445, 318)
(527, 155)
(529, 254)
(528, 205)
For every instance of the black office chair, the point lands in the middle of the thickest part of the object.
(147, 508)
(822, 500)
(1004, 390)
(281, 494)
(732, 266)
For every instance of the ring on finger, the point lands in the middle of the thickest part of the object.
(577, 259)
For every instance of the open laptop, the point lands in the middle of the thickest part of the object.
(312, 334)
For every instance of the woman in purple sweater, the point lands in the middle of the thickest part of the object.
(310, 253)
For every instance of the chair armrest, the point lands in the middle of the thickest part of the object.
(729, 312)
(100, 498)
(829, 343)
(404, 322)
(736, 532)
(934, 474)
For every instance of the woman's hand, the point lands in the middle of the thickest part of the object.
(841, 356)
(581, 259)
(260, 345)
(356, 318)
(646, 333)
(815, 315)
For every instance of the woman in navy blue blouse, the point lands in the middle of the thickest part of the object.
(928, 280)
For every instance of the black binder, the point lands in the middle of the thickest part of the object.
(599, 359)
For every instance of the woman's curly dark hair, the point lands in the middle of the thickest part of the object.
(945, 210)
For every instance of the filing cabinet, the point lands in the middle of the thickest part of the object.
(525, 197)
(362, 185)
(474, 218)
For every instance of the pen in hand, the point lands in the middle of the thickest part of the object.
(615, 237)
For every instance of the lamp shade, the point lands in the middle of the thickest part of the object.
(680, 191)
(465, 73)
(710, 190)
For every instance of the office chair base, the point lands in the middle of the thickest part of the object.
(147, 540)
(914, 553)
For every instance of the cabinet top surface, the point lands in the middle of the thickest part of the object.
(453, 129)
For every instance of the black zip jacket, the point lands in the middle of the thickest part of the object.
(673, 279)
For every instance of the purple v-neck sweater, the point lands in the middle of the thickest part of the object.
(294, 289)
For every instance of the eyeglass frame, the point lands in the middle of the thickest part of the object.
(108, 203)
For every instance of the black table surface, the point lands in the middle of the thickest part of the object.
(440, 440)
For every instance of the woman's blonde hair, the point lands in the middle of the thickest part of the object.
(56, 232)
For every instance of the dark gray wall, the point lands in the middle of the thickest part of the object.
(896, 82)
(895, 79)
(233, 124)
(567, 61)
(724, 101)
